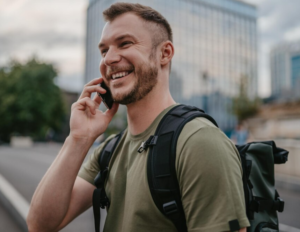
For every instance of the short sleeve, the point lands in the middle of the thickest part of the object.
(210, 178)
(90, 168)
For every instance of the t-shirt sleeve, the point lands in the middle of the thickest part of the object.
(90, 168)
(210, 178)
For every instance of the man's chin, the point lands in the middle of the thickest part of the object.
(125, 99)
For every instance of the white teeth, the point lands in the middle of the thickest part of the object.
(120, 74)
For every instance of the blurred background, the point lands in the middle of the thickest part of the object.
(237, 60)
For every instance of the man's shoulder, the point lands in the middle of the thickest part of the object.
(97, 151)
(199, 125)
(202, 145)
(201, 122)
(201, 136)
(90, 168)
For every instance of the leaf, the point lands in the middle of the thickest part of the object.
(30, 102)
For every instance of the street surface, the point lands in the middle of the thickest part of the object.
(6, 221)
(24, 168)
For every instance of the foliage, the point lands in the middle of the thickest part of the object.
(30, 102)
(242, 106)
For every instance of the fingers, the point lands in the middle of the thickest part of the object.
(91, 87)
(88, 90)
(87, 102)
(97, 99)
(95, 81)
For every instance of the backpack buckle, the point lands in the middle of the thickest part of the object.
(151, 141)
(170, 207)
(142, 147)
(279, 203)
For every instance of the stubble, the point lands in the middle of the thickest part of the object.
(146, 79)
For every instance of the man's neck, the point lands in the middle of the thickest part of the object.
(141, 114)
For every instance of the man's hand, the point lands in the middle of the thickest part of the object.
(59, 198)
(87, 121)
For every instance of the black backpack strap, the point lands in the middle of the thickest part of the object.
(161, 169)
(100, 199)
(247, 185)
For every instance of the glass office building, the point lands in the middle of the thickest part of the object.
(215, 45)
(285, 70)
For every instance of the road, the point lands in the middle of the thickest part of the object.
(24, 168)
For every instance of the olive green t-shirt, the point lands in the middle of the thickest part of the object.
(208, 171)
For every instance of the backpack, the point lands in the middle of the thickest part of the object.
(262, 201)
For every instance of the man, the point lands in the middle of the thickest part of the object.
(136, 48)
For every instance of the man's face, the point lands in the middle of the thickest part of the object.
(128, 62)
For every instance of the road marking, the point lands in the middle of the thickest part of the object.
(14, 197)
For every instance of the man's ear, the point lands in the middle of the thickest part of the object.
(167, 53)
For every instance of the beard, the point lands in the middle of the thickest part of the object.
(146, 79)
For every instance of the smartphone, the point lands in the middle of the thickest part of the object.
(107, 97)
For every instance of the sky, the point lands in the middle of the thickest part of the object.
(54, 31)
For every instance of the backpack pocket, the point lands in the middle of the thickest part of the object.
(266, 227)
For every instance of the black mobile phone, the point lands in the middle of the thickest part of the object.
(107, 97)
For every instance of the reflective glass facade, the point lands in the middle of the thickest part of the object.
(215, 45)
(285, 69)
(295, 70)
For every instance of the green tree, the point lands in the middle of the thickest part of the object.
(30, 102)
(242, 106)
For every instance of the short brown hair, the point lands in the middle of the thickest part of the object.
(162, 30)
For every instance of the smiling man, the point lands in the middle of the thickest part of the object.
(136, 48)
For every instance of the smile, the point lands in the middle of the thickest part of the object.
(119, 75)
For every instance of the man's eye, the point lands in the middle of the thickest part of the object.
(103, 52)
(125, 43)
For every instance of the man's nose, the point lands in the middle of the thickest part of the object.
(111, 57)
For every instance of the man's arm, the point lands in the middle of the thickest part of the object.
(81, 200)
(61, 195)
(55, 198)
(210, 178)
